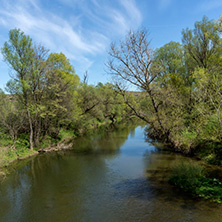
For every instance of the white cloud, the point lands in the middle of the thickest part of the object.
(212, 4)
(2, 22)
(49, 28)
(81, 34)
(133, 11)
(163, 4)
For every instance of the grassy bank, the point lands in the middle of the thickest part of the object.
(8, 155)
(20, 150)
(193, 179)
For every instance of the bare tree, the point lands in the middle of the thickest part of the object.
(85, 78)
(131, 62)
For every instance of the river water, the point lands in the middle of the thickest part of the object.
(119, 177)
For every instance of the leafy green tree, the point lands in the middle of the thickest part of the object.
(60, 99)
(43, 85)
(202, 42)
(170, 58)
(18, 52)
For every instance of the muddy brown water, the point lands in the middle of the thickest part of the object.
(119, 177)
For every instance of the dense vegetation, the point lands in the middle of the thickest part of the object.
(46, 102)
(180, 97)
(181, 86)
(192, 179)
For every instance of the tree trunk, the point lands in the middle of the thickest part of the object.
(31, 130)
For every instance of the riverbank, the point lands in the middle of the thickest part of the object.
(183, 181)
(65, 141)
(121, 171)
(201, 178)
(8, 156)
(193, 179)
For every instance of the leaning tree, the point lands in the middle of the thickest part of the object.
(131, 62)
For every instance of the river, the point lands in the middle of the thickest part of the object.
(119, 177)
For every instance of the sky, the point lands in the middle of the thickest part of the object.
(84, 29)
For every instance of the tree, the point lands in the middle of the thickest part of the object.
(132, 62)
(11, 119)
(60, 98)
(18, 52)
(170, 58)
(43, 85)
(112, 103)
(201, 42)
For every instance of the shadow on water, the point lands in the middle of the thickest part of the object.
(136, 188)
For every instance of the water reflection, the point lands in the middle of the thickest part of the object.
(120, 178)
(105, 141)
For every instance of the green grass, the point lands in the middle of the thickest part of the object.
(8, 155)
(191, 178)
(5, 140)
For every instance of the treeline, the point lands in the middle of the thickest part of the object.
(180, 91)
(46, 100)
(181, 86)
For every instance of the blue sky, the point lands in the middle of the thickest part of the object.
(83, 29)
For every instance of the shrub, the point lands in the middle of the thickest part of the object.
(186, 176)
(190, 178)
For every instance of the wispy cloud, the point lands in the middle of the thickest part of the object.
(133, 11)
(210, 4)
(50, 28)
(83, 30)
(164, 4)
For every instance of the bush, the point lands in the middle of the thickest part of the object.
(5, 140)
(190, 178)
(66, 135)
(186, 176)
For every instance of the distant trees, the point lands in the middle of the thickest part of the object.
(100, 104)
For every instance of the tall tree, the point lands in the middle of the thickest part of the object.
(18, 52)
(61, 92)
(44, 85)
(202, 41)
(132, 62)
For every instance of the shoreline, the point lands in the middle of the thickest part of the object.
(5, 170)
(68, 144)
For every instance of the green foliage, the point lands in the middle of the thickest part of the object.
(5, 140)
(47, 104)
(65, 136)
(22, 142)
(170, 59)
(201, 42)
(210, 151)
(188, 136)
(186, 176)
(191, 178)
(8, 155)
(210, 189)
